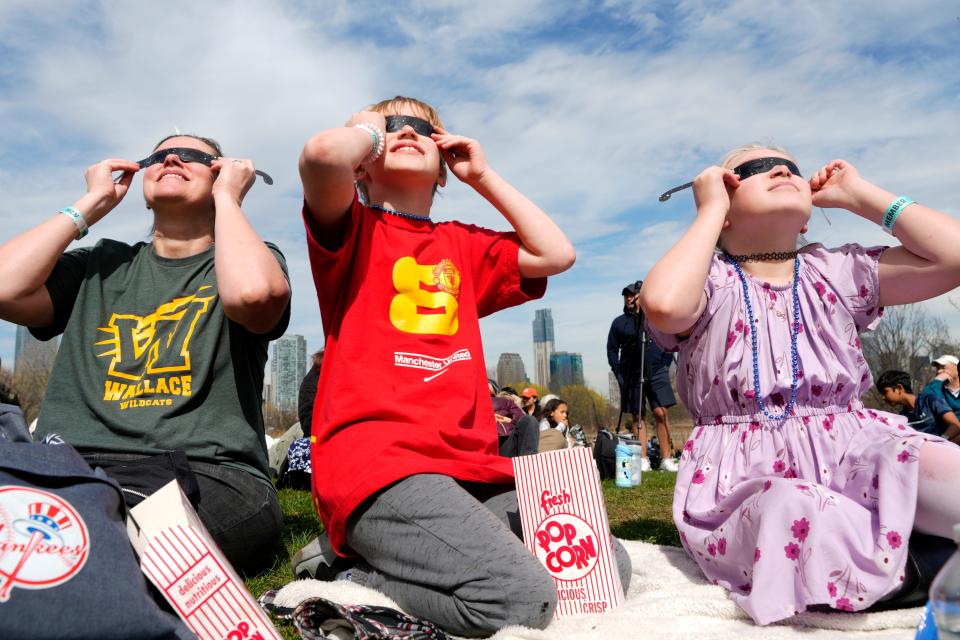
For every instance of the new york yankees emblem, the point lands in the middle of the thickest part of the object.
(43, 540)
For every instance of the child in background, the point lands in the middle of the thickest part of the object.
(411, 480)
(790, 492)
(926, 412)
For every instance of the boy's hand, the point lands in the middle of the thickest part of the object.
(835, 186)
(713, 188)
(463, 155)
(370, 117)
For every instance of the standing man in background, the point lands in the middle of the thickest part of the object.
(629, 353)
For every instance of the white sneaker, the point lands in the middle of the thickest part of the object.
(644, 464)
(669, 464)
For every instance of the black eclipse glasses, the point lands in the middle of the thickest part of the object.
(186, 154)
(421, 126)
(746, 170)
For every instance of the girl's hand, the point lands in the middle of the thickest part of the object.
(101, 185)
(712, 190)
(235, 176)
(835, 185)
(463, 155)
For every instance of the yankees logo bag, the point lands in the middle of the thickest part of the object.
(67, 569)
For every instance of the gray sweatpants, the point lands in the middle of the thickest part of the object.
(451, 552)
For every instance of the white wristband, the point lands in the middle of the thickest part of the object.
(379, 140)
(78, 220)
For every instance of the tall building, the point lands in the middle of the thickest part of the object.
(510, 369)
(565, 369)
(614, 390)
(33, 353)
(542, 346)
(288, 366)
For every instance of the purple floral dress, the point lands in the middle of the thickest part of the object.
(816, 509)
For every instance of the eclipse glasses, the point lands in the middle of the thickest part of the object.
(746, 170)
(187, 154)
(421, 126)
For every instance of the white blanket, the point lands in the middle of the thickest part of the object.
(668, 598)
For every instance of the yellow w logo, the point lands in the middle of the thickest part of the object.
(156, 343)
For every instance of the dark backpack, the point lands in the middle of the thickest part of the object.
(67, 569)
(605, 454)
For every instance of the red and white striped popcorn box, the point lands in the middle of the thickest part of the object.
(186, 565)
(565, 525)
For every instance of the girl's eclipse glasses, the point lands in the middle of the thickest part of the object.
(744, 171)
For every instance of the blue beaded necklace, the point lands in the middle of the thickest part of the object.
(794, 330)
(392, 212)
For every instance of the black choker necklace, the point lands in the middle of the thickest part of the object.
(773, 256)
(399, 213)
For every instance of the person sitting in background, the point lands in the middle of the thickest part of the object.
(553, 425)
(529, 397)
(295, 473)
(518, 433)
(946, 384)
(928, 412)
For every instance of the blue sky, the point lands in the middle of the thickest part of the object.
(591, 108)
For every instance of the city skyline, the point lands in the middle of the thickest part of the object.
(510, 369)
(566, 368)
(543, 344)
(287, 368)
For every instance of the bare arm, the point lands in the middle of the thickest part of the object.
(927, 262)
(252, 287)
(28, 260)
(545, 250)
(672, 296)
(953, 429)
(328, 164)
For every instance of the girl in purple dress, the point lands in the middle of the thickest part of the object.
(791, 493)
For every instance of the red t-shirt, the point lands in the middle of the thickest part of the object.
(403, 387)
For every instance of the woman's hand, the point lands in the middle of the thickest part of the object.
(464, 156)
(235, 176)
(712, 190)
(835, 186)
(101, 188)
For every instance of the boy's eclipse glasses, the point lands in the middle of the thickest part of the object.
(187, 154)
(421, 126)
(744, 171)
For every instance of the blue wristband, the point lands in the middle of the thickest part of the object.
(78, 220)
(893, 211)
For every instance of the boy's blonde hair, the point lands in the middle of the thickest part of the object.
(431, 115)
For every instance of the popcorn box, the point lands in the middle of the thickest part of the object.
(565, 525)
(182, 560)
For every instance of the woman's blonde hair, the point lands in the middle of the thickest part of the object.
(431, 115)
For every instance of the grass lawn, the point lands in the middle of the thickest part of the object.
(638, 513)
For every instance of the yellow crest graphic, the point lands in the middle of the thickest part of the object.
(416, 309)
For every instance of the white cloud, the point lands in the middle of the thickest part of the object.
(592, 112)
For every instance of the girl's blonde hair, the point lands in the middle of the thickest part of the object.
(727, 160)
(431, 115)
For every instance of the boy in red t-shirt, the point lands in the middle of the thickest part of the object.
(407, 474)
